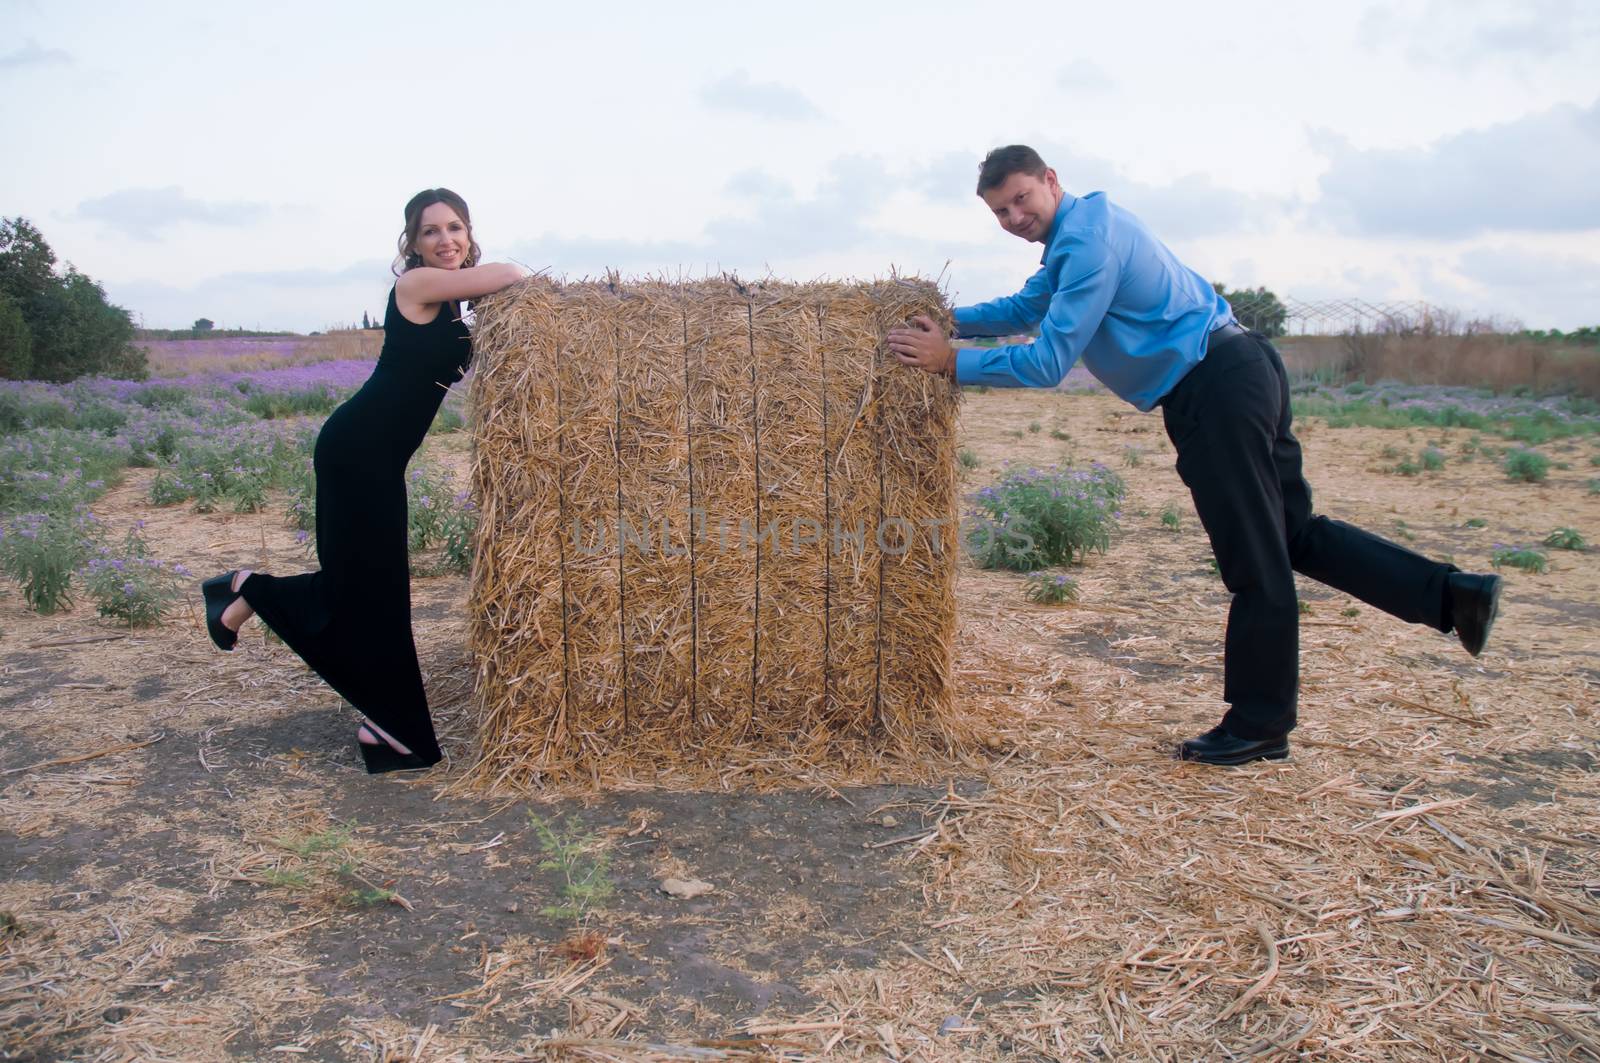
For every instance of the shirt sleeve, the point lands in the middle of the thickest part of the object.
(1007, 316)
(1072, 317)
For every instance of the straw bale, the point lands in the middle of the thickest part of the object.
(715, 517)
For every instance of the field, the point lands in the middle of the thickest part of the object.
(193, 866)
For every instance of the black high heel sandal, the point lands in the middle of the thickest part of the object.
(219, 594)
(384, 757)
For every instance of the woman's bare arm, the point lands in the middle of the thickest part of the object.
(426, 286)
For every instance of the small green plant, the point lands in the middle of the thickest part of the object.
(1390, 453)
(1058, 434)
(968, 458)
(1046, 589)
(1431, 459)
(1033, 427)
(1594, 486)
(1401, 531)
(324, 863)
(1351, 611)
(1170, 517)
(131, 586)
(583, 864)
(1304, 606)
(1565, 539)
(1216, 569)
(1523, 465)
(1525, 558)
(1132, 456)
(1475, 522)
(1407, 467)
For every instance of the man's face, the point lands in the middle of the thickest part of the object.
(1025, 205)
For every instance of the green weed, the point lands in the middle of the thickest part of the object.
(1565, 539)
(1528, 560)
(583, 864)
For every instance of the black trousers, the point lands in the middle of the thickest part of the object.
(1229, 419)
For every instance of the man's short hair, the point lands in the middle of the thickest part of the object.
(1001, 163)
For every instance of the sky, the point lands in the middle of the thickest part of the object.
(249, 162)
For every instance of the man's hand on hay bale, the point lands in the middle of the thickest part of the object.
(923, 345)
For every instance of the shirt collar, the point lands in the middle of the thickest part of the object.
(1068, 201)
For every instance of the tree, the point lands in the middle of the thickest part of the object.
(16, 341)
(67, 329)
(204, 324)
(366, 322)
(1257, 308)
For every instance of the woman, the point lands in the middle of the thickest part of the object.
(351, 622)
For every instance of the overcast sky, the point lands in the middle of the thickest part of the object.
(248, 162)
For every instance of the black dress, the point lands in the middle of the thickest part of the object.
(351, 622)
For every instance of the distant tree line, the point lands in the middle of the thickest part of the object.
(1587, 336)
(1257, 309)
(197, 333)
(55, 323)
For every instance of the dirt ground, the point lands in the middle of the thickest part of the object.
(194, 867)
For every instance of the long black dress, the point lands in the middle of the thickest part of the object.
(351, 622)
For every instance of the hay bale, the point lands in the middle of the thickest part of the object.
(715, 519)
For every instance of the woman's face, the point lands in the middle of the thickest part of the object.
(442, 239)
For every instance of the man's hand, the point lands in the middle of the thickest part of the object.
(923, 346)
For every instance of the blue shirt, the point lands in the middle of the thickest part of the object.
(1110, 293)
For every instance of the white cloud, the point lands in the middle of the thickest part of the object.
(766, 99)
(31, 54)
(1537, 173)
(1083, 75)
(147, 213)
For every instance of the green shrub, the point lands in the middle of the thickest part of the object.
(1033, 427)
(42, 551)
(1040, 518)
(1431, 459)
(1475, 522)
(1170, 518)
(968, 458)
(1525, 466)
(131, 586)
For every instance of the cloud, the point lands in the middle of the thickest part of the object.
(300, 299)
(1543, 288)
(1536, 173)
(782, 228)
(1458, 33)
(145, 213)
(765, 99)
(31, 54)
(1082, 75)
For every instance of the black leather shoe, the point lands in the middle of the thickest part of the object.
(1474, 603)
(1217, 746)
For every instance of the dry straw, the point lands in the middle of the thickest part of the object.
(718, 520)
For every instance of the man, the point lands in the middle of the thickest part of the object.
(1154, 332)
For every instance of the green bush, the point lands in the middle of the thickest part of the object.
(1040, 518)
(1525, 466)
(131, 586)
(42, 552)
